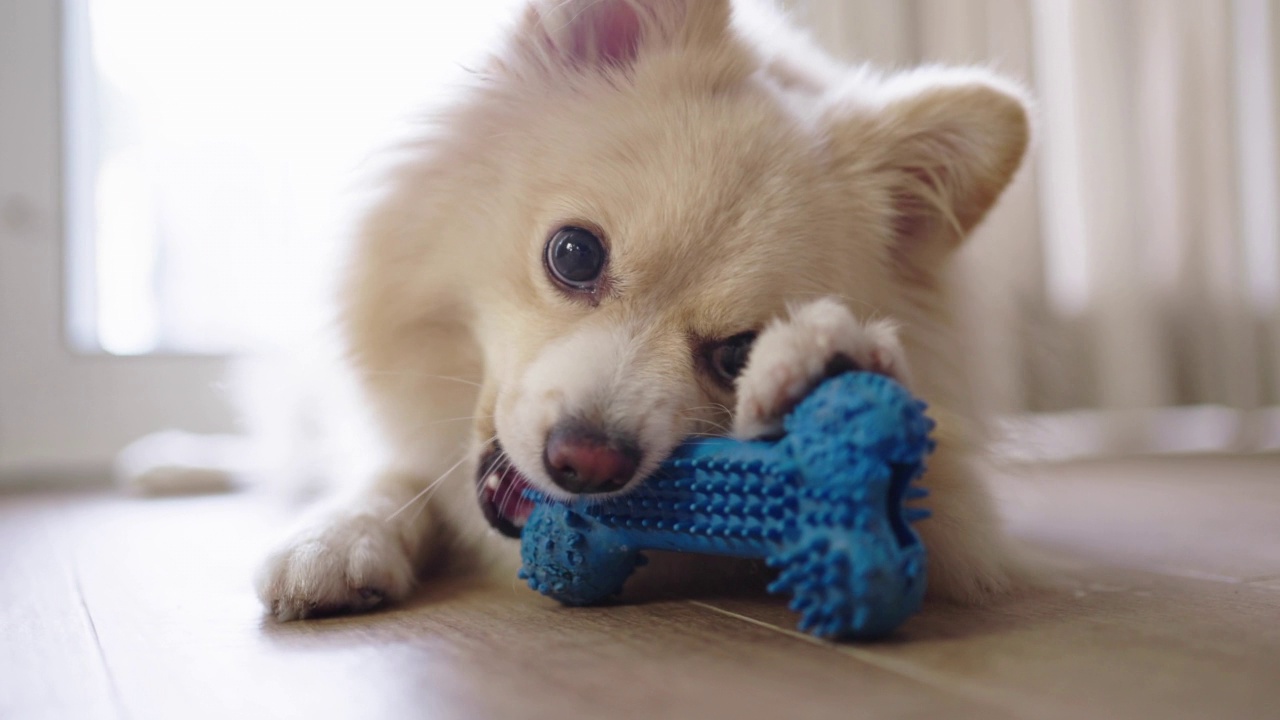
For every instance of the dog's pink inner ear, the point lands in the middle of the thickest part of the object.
(607, 32)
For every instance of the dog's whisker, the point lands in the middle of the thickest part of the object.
(500, 501)
(717, 432)
(423, 376)
(497, 462)
(695, 418)
(424, 423)
(715, 423)
(429, 491)
(457, 419)
(712, 423)
(506, 493)
(426, 489)
(713, 406)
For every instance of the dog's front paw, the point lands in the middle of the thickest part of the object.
(351, 563)
(797, 352)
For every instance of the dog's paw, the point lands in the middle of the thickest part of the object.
(795, 353)
(352, 563)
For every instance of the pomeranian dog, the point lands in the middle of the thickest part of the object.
(644, 220)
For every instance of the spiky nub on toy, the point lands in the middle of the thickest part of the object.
(825, 505)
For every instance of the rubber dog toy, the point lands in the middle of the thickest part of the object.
(824, 505)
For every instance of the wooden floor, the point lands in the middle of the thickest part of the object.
(1165, 604)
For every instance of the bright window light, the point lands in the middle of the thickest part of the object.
(214, 144)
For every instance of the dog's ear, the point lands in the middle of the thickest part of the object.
(613, 34)
(945, 143)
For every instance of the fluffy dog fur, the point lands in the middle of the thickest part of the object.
(742, 182)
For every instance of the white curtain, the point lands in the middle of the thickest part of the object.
(1130, 279)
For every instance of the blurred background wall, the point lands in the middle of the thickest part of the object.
(1135, 264)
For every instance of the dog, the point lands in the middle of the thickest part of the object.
(644, 220)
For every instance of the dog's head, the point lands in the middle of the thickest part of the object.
(651, 187)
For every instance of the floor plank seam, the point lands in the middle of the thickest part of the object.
(902, 669)
(116, 697)
(1262, 578)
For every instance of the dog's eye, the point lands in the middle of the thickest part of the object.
(575, 258)
(729, 357)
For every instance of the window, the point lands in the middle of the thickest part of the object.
(171, 192)
(214, 142)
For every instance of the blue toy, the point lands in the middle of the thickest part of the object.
(824, 505)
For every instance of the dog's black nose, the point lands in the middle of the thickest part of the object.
(584, 460)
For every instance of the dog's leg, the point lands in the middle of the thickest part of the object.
(967, 559)
(357, 557)
(793, 354)
(368, 549)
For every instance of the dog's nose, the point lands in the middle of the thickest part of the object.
(584, 460)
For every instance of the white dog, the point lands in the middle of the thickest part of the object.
(647, 219)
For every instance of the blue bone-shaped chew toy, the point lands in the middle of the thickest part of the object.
(824, 504)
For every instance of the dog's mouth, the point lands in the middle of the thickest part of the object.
(501, 490)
